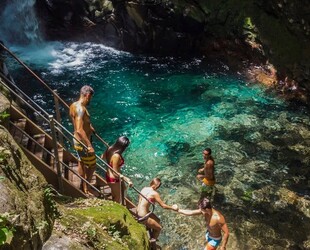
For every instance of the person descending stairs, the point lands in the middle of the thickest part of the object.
(42, 140)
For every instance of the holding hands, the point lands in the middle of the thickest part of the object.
(175, 207)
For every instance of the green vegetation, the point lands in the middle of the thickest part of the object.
(102, 224)
(247, 195)
(6, 230)
(4, 115)
(50, 203)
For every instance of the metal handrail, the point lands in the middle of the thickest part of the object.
(24, 101)
(52, 155)
(56, 122)
(101, 160)
(45, 85)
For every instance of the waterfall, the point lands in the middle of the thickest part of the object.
(18, 23)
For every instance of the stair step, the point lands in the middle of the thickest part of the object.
(153, 245)
(17, 134)
(94, 180)
(52, 162)
(37, 148)
(74, 179)
(133, 210)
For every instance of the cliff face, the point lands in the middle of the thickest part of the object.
(275, 33)
(24, 206)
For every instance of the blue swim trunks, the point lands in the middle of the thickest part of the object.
(215, 242)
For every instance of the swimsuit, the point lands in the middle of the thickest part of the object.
(213, 241)
(89, 159)
(208, 182)
(152, 200)
(111, 179)
(208, 189)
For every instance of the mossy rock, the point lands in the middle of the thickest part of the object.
(99, 224)
(23, 201)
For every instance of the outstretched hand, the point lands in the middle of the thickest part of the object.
(175, 207)
(130, 183)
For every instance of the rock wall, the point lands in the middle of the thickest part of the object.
(24, 206)
(23, 202)
(96, 224)
(238, 32)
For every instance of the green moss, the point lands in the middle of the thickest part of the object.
(248, 24)
(247, 195)
(104, 225)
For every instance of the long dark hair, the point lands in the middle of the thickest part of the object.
(118, 147)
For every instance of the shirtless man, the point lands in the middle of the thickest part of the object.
(206, 175)
(215, 222)
(82, 132)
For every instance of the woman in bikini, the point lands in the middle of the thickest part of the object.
(143, 207)
(113, 156)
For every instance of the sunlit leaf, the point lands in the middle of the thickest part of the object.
(2, 236)
(9, 236)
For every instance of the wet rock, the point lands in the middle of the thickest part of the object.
(62, 242)
(96, 224)
(291, 198)
(198, 90)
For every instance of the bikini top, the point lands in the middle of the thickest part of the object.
(121, 163)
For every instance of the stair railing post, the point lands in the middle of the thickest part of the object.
(58, 116)
(55, 146)
(122, 198)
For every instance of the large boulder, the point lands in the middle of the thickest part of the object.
(26, 214)
(96, 224)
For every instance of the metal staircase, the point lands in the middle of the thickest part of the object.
(38, 147)
(48, 145)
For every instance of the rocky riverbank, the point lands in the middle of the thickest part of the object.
(267, 41)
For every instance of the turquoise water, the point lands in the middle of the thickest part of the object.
(171, 109)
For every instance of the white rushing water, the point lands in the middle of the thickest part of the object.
(19, 24)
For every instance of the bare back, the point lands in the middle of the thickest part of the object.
(144, 205)
(215, 223)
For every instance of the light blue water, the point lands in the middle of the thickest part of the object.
(171, 109)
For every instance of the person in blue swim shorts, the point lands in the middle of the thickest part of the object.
(216, 224)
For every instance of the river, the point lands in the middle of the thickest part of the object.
(172, 108)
